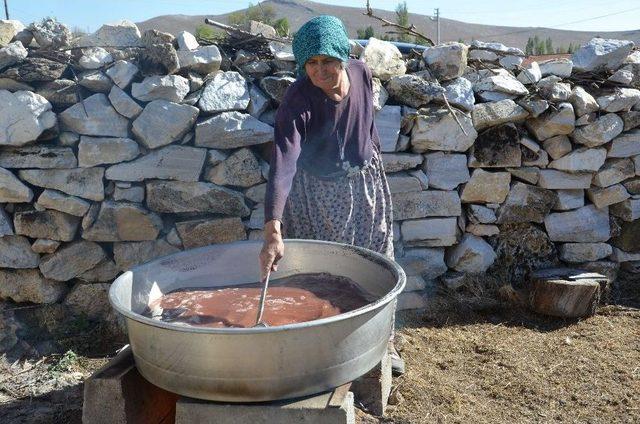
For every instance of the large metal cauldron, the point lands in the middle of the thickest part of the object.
(258, 364)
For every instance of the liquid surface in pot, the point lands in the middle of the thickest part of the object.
(294, 299)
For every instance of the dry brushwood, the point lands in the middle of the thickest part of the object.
(411, 29)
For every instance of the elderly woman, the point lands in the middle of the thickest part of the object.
(326, 180)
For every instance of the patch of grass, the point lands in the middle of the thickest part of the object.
(66, 363)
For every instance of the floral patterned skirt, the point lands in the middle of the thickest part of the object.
(354, 208)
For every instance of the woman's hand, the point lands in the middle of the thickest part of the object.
(272, 249)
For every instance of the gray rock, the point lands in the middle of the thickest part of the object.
(95, 116)
(380, 94)
(71, 260)
(90, 300)
(459, 93)
(426, 263)
(275, 86)
(627, 239)
(256, 193)
(550, 178)
(623, 99)
(28, 285)
(531, 74)
(430, 232)
(535, 107)
(605, 129)
(388, 124)
(12, 54)
(259, 102)
(202, 59)
(95, 81)
(171, 88)
(396, 162)
(240, 169)
(121, 34)
(51, 199)
(122, 73)
(45, 246)
(583, 159)
(401, 182)
(204, 232)
(384, 59)
(631, 120)
(526, 203)
(490, 114)
(622, 256)
(557, 146)
(497, 147)
(502, 83)
(15, 252)
(12, 190)
(187, 197)
(559, 67)
(479, 214)
(225, 91)
(38, 157)
(583, 102)
(614, 171)
(128, 255)
(584, 252)
(422, 204)
(601, 54)
(13, 85)
(628, 210)
(446, 61)
(528, 174)
(121, 221)
(123, 104)
(632, 186)
(486, 187)
(163, 122)
(50, 33)
(6, 227)
(569, 199)
(81, 182)
(230, 130)
(35, 69)
(187, 41)
(94, 151)
(48, 224)
(131, 194)
(94, 58)
(584, 225)
(624, 146)
(603, 197)
(472, 255)
(438, 130)
(9, 28)
(23, 117)
(158, 59)
(61, 93)
(552, 123)
(180, 163)
(413, 90)
(446, 171)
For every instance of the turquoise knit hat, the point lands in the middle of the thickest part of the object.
(324, 35)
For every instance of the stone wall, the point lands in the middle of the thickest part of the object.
(110, 157)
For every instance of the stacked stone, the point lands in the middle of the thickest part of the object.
(135, 146)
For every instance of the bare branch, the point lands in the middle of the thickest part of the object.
(405, 30)
(452, 112)
(233, 31)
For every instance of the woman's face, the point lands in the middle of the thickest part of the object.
(324, 71)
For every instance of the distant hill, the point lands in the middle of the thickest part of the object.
(299, 11)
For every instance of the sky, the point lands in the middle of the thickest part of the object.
(583, 15)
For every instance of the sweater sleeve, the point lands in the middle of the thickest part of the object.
(375, 137)
(289, 132)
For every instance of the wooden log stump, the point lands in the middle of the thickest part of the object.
(565, 292)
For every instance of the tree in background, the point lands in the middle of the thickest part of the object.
(206, 33)
(402, 18)
(529, 48)
(282, 27)
(549, 46)
(365, 34)
(261, 13)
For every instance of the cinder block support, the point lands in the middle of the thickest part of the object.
(118, 394)
(316, 409)
(373, 389)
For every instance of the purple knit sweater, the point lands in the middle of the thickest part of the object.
(319, 134)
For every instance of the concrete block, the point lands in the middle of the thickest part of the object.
(118, 394)
(315, 409)
(373, 389)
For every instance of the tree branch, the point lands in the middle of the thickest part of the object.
(405, 30)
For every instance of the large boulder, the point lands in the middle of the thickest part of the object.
(12, 190)
(95, 116)
(121, 221)
(82, 182)
(428, 203)
(121, 34)
(446, 61)
(203, 232)
(16, 253)
(180, 163)
(600, 132)
(472, 255)
(47, 224)
(601, 54)
(240, 169)
(583, 159)
(24, 116)
(171, 88)
(446, 171)
(230, 130)
(557, 122)
(38, 157)
(438, 130)
(163, 122)
(72, 260)
(584, 225)
(51, 34)
(93, 151)
(526, 203)
(413, 90)
(486, 187)
(383, 58)
(495, 113)
(225, 91)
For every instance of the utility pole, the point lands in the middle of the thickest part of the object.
(6, 9)
(436, 17)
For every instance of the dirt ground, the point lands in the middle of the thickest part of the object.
(472, 363)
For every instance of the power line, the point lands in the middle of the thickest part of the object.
(6, 9)
(562, 24)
